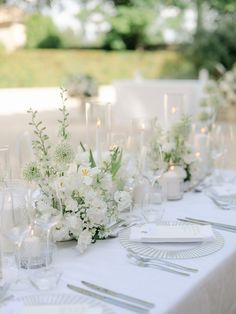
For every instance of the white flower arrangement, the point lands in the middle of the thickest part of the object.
(217, 94)
(90, 197)
(171, 147)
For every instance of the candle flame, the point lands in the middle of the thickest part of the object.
(172, 168)
(87, 105)
(142, 126)
(173, 110)
(98, 123)
(197, 154)
(203, 130)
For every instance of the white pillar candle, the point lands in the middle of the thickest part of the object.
(32, 247)
(98, 143)
(172, 109)
(109, 123)
(201, 145)
(87, 110)
(173, 183)
(202, 166)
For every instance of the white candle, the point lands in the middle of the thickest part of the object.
(173, 103)
(87, 110)
(201, 144)
(173, 182)
(98, 142)
(109, 124)
(202, 166)
(32, 246)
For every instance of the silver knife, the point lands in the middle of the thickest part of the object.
(127, 306)
(119, 295)
(204, 224)
(216, 224)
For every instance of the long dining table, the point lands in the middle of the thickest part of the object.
(209, 291)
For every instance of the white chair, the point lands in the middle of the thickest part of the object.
(145, 98)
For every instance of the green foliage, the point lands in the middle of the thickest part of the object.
(41, 32)
(217, 46)
(44, 67)
(129, 27)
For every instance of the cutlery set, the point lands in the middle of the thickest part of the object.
(115, 298)
(160, 264)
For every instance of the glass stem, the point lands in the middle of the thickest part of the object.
(18, 258)
(48, 247)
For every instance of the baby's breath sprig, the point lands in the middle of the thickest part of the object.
(40, 144)
(64, 123)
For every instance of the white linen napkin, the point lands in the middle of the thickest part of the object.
(19, 308)
(171, 233)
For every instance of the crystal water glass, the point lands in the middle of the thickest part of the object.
(14, 224)
(152, 208)
(49, 276)
(4, 163)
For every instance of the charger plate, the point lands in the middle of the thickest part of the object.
(174, 250)
(59, 299)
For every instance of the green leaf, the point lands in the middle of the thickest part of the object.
(82, 146)
(91, 159)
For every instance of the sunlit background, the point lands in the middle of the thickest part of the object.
(95, 43)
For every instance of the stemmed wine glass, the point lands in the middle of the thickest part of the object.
(218, 150)
(153, 195)
(14, 224)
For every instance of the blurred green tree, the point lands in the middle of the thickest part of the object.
(130, 24)
(41, 32)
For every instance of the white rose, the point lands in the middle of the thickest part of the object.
(181, 172)
(84, 240)
(123, 199)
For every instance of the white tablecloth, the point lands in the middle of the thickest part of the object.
(210, 291)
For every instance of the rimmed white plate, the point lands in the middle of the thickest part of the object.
(172, 251)
(57, 299)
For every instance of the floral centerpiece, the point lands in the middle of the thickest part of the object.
(217, 94)
(83, 86)
(174, 148)
(90, 197)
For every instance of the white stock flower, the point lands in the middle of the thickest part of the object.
(84, 240)
(71, 205)
(168, 147)
(82, 158)
(189, 158)
(106, 156)
(123, 199)
(106, 182)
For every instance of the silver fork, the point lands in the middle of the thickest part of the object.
(164, 262)
(156, 265)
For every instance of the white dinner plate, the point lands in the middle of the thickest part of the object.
(173, 250)
(59, 299)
